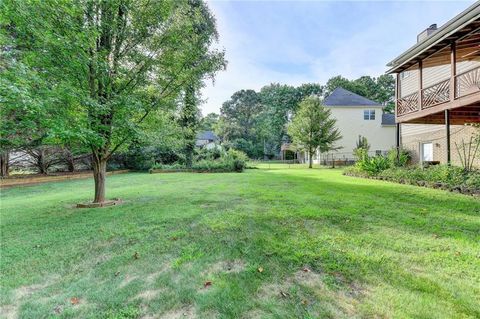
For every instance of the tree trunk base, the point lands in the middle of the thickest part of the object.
(106, 203)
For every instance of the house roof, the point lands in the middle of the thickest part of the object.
(388, 119)
(342, 97)
(207, 135)
(451, 30)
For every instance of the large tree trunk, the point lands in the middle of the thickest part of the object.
(41, 162)
(4, 164)
(310, 159)
(99, 174)
(70, 160)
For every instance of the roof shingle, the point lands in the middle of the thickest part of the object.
(342, 97)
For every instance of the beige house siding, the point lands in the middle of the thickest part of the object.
(413, 135)
(351, 124)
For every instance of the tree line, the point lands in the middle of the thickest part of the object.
(256, 122)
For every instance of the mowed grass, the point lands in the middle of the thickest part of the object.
(273, 243)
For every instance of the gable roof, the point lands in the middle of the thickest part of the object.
(207, 135)
(388, 119)
(342, 97)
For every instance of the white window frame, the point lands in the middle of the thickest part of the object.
(369, 115)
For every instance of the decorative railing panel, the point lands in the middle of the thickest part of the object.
(407, 104)
(467, 83)
(436, 94)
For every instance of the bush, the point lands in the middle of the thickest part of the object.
(373, 165)
(230, 161)
(403, 160)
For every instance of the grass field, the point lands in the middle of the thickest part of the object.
(268, 243)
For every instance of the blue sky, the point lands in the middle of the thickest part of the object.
(295, 42)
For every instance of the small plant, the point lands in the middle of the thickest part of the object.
(361, 151)
(468, 152)
(401, 159)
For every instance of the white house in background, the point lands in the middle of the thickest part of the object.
(358, 116)
(208, 140)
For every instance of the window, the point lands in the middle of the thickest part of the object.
(378, 152)
(369, 114)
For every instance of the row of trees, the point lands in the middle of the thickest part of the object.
(102, 75)
(256, 122)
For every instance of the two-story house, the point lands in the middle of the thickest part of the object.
(438, 89)
(358, 116)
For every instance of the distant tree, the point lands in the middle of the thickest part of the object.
(381, 89)
(279, 104)
(313, 127)
(209, 122)
(109, 64)
(189, 123)
(386, 92)
(239, 119)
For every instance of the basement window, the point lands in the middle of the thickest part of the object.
(369, 114)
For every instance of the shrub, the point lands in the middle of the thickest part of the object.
(373, 165)
(403, 159)
(230, 161)
(168, 166)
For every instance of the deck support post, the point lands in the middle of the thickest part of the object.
(447, 131)
(397, 144)
(453, 69)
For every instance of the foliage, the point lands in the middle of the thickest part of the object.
(373, 165)
(313, 127)
(401, 159)
(362, 147)
(208, 122)
(381, 89)
(108, 65)
(443, 176)
(212, 161)
(468, 152)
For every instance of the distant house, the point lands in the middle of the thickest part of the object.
(207, 139)
(358, 116)
(438, 90)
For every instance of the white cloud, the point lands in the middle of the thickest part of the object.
(295, 43)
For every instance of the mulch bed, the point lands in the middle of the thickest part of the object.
(24, 180)
(437, 185)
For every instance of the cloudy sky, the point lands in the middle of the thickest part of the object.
(295, 42)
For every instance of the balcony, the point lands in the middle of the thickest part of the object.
(466, 83)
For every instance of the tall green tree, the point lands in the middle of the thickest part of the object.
(279, 104)
(204, 33)
(313, 128)
(239, 118)
(189, 123)
(209, 122)
(108, 64)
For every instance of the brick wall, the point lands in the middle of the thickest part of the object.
(413, 135)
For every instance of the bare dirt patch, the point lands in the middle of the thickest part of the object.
(187, 312)
(127, 280)
(148, 295)
(226, 266)
(10, 311)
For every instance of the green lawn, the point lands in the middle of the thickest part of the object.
(330, 246)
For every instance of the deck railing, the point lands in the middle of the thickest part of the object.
(436, 94)
(407, 104)
(467, 82)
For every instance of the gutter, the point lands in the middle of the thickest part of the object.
(450, 27)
